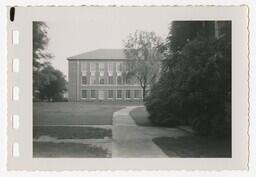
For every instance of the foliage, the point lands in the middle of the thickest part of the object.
(195, 83)
(51, 84)
(40, 42)
(182, 33)
(48, 83)
(143, 57)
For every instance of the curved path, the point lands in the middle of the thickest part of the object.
(130, 140)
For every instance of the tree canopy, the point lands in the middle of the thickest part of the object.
(143, 57)
(40, 42)
(51, 84)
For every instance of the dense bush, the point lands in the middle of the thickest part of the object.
(50, 84)
(195, 86)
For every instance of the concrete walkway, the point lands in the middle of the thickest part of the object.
(130, 140)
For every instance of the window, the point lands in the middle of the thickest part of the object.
(93, 67)
(101, 80)
(125, 67)
(102, 67)
(84, 94)
(111, 80)
(119, 79)
(119, 94)
(110, 93)
(137, 94)
(84, 67)
(128, 94)
(84, 80)
(93, 80)
(111, 67)
(93, 93)
(118, 67)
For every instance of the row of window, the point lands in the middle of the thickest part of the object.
(91, 67)
(102, 80)
(85, 94)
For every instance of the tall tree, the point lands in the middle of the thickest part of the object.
(143, 57)
(41, 56)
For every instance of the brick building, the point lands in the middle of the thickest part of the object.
(100, 75)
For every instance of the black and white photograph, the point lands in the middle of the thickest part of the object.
(109, 86)
(128, 88)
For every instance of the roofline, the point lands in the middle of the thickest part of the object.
(78, 57)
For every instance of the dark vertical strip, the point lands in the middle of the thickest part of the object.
(12, 14)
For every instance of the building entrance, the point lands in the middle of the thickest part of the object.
(101, 95)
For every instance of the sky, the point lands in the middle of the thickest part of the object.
(101, 29)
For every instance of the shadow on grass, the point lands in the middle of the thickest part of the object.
(65, 132)
(68, 150)
(195, 146)
(140, 116)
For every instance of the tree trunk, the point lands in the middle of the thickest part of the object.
(143, 93)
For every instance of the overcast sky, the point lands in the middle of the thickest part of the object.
(105, 29)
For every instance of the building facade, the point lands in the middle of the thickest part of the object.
(99, 75)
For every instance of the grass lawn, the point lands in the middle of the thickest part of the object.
(73, 113)
(67, 150)
(62, 132)
(140, 116)
(195, 146)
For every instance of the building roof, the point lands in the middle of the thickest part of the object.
(100, 54)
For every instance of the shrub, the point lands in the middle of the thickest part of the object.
(195, 87)
(162, 111)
